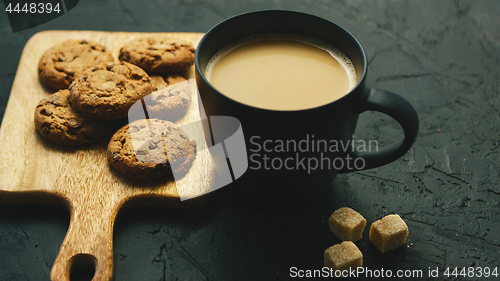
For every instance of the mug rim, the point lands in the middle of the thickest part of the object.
(359, 84)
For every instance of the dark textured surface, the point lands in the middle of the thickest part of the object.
(443, 56)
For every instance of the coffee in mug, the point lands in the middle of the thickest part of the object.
(281, 72)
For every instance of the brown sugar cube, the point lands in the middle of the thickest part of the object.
(343, 256)
(347, 224)
(388, 233)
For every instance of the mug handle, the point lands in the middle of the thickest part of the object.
(403, 112)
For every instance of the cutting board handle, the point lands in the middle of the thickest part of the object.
(87, 250)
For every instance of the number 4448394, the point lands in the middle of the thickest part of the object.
(33, 8)
(471, 272)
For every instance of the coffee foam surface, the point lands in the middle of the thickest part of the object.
(334, 52)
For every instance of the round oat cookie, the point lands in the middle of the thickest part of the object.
(107, 91)
(158, 54)
(170, 100)
(60, 63)
(158, 82)
(59, 123)
(150, 149)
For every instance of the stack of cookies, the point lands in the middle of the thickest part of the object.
(94, 91)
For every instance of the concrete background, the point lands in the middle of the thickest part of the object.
(443, 56)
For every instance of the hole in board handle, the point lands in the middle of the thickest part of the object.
(82, 267)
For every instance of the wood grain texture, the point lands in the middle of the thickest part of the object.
(33, 170)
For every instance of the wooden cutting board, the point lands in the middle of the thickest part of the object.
(33, 170)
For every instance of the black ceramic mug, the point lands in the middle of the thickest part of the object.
(295, 176)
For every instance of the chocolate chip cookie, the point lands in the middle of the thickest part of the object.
(171, 100)
(158, 82)
(59, 123)
(158, 54)
(150, 149)
(107, 91)
(59, 64)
